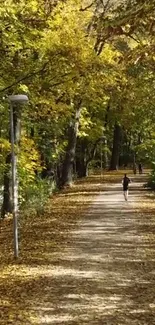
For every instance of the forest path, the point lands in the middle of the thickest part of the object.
(106, 273)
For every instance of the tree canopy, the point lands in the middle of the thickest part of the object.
(88, 70)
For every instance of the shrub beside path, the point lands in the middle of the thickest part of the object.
(99, 269)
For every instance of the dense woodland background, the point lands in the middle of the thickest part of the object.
(88, 68)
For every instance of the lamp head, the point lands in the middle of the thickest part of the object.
(21, 99)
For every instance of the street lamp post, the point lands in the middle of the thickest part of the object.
(15, 100)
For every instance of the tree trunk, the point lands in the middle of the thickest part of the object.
(105, 155)
(82, 168)
(67, 167)
(7, 204)
(7, 195)
(85, 154)
(81, 158)
(116, 148)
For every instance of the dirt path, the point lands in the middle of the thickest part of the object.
(106, 274)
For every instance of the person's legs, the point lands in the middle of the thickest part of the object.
(125, 192)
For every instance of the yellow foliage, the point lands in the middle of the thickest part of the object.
(29, 159)
(4, 145)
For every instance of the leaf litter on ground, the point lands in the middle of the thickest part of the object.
(25, 283)
(41, 242)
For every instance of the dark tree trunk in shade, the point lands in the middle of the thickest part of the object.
(7, 195)
(67, 166)
(114, 164)
(85, 154)
(82, 168)
(7, 205)
(81, 158)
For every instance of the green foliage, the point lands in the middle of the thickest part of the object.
(151, 181)
(35, 196)
(146, 150)
(60, 51)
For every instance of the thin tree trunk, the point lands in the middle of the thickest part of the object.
(114, 164)
(105, 157)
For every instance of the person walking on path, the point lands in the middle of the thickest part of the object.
(125, 182)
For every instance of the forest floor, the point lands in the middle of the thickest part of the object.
(90, 259)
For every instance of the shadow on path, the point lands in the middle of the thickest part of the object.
(106, 274)
(101, 272)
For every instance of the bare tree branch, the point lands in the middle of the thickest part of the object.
(87, 7)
